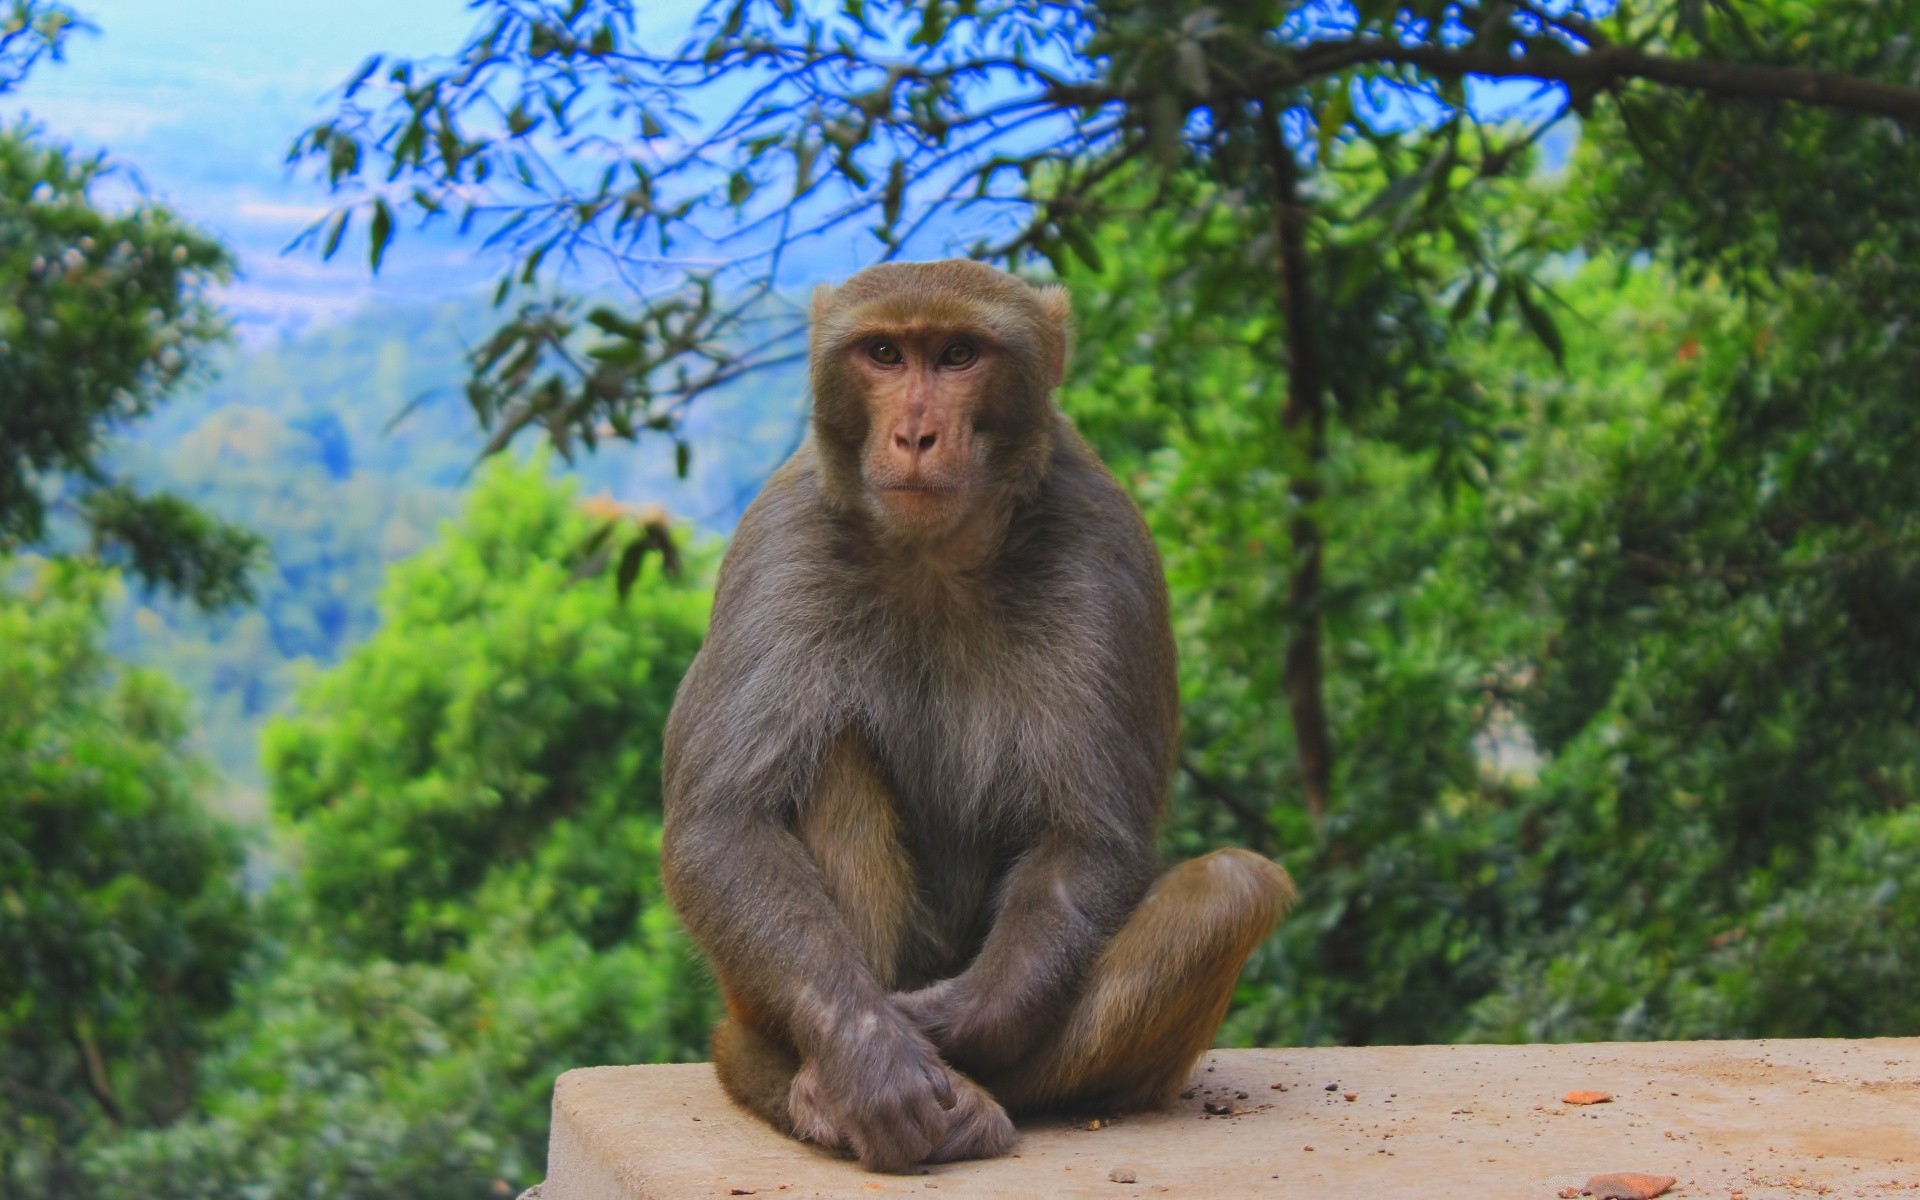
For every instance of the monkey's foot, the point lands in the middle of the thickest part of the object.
(807, 1107)
(980, 1128)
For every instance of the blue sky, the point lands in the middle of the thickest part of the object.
(202, 98)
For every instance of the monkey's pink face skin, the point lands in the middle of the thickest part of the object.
(923, 389)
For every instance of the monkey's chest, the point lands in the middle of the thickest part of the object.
(956, 783)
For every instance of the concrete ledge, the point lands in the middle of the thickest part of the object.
(1767, 1118)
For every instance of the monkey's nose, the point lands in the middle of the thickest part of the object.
(913, 445)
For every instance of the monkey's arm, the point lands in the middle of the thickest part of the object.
(753, 897)
(755, 900)
(1063, 900)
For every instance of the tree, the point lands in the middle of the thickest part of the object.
(775, 123)
(473, 797)
(121, 916)
(103, 314)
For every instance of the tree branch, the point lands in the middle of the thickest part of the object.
(1596, 68)
(93, 1070)
(1304, 416)
(1257, 830)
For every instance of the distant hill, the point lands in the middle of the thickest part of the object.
(292, 440)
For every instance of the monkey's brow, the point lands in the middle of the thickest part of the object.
(914, 329)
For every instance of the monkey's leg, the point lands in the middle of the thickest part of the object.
(1155, 997)
(755, 1070)
(850, 825)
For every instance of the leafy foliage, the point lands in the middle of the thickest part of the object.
(1613, 717)
(102, 314)
(485, 738)
(561, 131)
(473, 796)
(121, 918)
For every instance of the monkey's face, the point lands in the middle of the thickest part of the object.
(924, 390)
(932, 389)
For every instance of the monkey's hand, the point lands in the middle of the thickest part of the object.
(972, 1033)
(881, 1092)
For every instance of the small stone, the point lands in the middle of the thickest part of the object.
(1352, 1096)
(1219, 1108)
(1568, 1193)
(739, 1191)
(1121, 1175)
(1587, 1097)
(1279, 1087)
(1626, 1185)
(1333, 1087)
(1094, 1124)
(1239, 1095)
(1187, 1095)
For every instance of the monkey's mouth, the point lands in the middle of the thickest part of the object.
(918, 489)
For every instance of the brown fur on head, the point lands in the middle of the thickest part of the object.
(911, 438)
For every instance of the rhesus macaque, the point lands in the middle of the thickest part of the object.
(913, 777)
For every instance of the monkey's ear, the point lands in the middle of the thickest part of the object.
(821, 302)
(1058, 305)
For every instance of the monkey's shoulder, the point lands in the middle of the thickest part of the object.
(1085, 525)
(781, 541)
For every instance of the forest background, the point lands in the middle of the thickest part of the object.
(1531, 465)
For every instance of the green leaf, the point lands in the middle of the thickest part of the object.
(895, 190)
(1082, 245)
(1463, 304)
(336, 230)
(1332, 118)
(1497, 302)
(379, 233)
(1540, 322)
(933, 25)
(682, 459)
(630, 560)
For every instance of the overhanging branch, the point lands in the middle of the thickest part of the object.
(1594, 68)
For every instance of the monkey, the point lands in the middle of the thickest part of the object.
(914, 777)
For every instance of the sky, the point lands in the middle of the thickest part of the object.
(200, 100)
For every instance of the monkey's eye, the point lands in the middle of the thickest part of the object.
(958, 354)
(885, 353)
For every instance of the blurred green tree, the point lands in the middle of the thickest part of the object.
(472, 796)
(121, 917)
(102, 315)
(1627, 721)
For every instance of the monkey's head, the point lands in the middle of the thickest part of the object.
(933, 389)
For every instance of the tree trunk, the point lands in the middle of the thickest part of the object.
(1303, 416)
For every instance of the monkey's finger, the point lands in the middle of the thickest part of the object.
(943, 1087)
